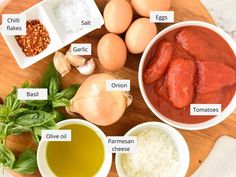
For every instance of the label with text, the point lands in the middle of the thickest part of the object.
(205, 109)
(81, 49)
(118, 85)
(32, 94)
(162, 17)
(121, 144)
(88, 22)
(14, 24)
(56, 135)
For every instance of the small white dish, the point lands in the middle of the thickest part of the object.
(41, 153)
(36, 12)
(176, 138)
(212, 122)
(49, 6)
(44, 12)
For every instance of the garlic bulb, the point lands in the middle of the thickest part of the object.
(98, 105)
(61, 64)
(75, 60)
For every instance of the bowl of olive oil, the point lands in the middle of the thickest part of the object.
(85, 155)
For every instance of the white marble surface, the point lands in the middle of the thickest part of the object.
(223, 12)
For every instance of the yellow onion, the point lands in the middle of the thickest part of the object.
(98, 105)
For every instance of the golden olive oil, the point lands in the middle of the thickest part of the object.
(83, 156)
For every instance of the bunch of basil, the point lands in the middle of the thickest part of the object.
(17, 117)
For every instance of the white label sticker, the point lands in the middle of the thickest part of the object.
(118, 85)
(162, 17)
(32, 94)
(14, 24)
(56, 135)
(121, 144)
(205, 109)
(88, 22)
(81, 49)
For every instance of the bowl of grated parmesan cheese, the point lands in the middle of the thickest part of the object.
(161, 151)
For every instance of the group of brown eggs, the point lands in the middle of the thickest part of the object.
(118, 17)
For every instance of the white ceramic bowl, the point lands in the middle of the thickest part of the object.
(44, 12)
(41, 153)
(217, 119)
(175, 136)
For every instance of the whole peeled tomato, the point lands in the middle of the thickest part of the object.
(139, 34)
(143, 7)
(112, 52)
(118, 15)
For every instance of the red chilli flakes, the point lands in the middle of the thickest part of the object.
(36, 39)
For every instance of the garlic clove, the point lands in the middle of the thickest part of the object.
(75, 60)
(61, 64)
(88, 68)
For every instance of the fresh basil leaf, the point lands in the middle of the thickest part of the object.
(54, 85)
(12, 129)
(11, 101)
(18, 129)
(47, 108)
(4, 112)
(61, 102)
(51, 71)
(4, 129)
(26, 163)
(50, 125)
(58, 116)
(18, 111)
(25, 85)
(36, 136)
(68, 93)
(36, 103)
(3, 133)
(7, 158)
(16, 105)
(34, 118)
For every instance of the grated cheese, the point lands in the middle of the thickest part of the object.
(156, 156)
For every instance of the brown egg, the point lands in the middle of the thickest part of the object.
(139, 34)
(112, 52)
(118, 15)
(143, 7)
